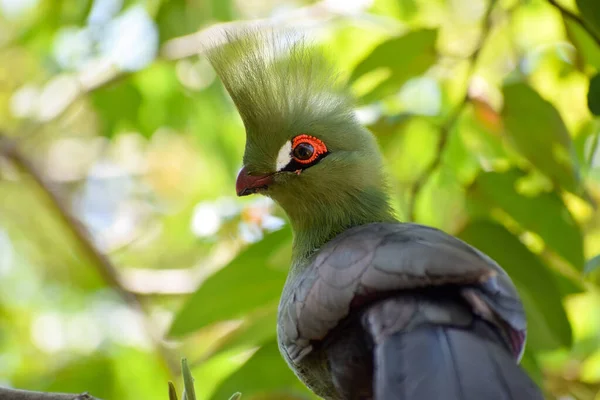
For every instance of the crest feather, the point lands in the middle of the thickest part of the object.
(278, 78)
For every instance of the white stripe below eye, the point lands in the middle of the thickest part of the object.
(284, 156)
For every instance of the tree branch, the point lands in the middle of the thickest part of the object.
(577, 19)
(15, 394)
(102, 263)
(447, 126)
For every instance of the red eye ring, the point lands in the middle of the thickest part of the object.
(318, 146)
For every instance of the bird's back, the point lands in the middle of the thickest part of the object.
(404, 311)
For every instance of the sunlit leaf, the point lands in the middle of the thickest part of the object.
(587, 48)
(401, 58)
(547, 320)
(246, 284)
(544, 214)
(139, 373)
(539, 133)
(257, 329)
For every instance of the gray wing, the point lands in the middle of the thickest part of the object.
(371, 261)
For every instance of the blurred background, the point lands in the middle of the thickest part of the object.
(123, 247)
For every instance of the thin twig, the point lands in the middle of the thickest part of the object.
(104, 266)
(577, 19)
(15, 394)
(447, 126)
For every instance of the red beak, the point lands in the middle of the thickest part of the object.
(249, 184)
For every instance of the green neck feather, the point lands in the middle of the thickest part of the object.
(315, 225)
(346, 189)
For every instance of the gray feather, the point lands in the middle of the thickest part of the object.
(417, 285)
(447, 362)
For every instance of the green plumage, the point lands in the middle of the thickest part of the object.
(283, 86)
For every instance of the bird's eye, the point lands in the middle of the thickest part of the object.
(306, 149)
(303, 151)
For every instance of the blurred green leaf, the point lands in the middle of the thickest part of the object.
(588, 50)
(247, 283)
(539, 133)
(223, 9)
(593, 97)
(544, 214)
(131, 365)
(236, 396)
(404, 57)
(532, 367)
(91, 374)
(182, 17)
(549, 327)
(257, 329)
(264, 372)
(118, 105)
(590, 11)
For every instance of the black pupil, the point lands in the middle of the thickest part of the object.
(303, 151)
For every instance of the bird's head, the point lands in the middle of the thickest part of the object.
(304, 147)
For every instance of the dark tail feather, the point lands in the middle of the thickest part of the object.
(443, 362)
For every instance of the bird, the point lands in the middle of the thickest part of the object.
(372, 307)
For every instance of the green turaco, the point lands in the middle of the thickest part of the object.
(372, 308)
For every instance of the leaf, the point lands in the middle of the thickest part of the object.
(139, 374)
(265, 371)
(403, 57)
(539, 133)
(246, 284)
(530, 364)
(588, 50)
(593, 97)
(172, 392)
(256, 330)
(118, 105)
(236, 396)
(544, 214)
(93, 374)
(549, 327)
(189, 393)
(182, 17)
(590, 12)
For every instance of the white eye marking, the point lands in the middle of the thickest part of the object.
(284, 156)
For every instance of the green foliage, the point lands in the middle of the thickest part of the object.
(264, 372)
(538, 132)
(544, 213)
(251, 280)
(131, 132)
(417, 52)
(548, 324)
